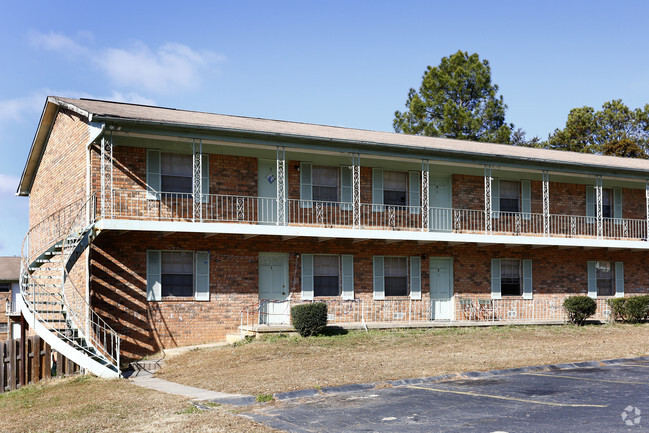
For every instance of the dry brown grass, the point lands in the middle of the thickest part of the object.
(291, 363)
(88, 404)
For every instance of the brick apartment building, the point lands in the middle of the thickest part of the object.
(9, 290)
(153, 227)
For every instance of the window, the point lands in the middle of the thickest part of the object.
(176, 172)
(177, 273)
(396, 276)
(325, 183)
(510, 274)
(607, 202)
(509, 196)
(395, 187)
(5, 287)
(604, 275)
(325, 276)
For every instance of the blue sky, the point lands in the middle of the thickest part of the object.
(346, 63)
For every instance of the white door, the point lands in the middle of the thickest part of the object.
(440, 203)
(441, 288)
(274, 306)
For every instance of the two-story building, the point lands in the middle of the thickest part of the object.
(174, 227)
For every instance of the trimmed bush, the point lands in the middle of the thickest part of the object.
(636, 308)
(579, 309)
(309, 319)
(618, 308)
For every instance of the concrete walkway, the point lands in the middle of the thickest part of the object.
(147, 380)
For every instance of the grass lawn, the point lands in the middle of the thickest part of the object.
(285, 363)
(89, 404)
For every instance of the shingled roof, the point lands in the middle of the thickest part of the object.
(100, 111)
(9, 268)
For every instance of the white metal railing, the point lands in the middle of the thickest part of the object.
(472, 309)
(140, 204)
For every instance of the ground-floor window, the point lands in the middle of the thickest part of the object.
(511, 277)
(604, 274)
(326, 275)
(510, 272)
(177, 273)
(396, 276)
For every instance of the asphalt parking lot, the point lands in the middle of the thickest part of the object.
(605, 398)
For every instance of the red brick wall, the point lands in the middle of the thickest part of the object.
(118, 285)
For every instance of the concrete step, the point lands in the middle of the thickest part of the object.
(239, 336)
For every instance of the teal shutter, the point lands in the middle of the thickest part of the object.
(414, 192)
(307, 276)
(347, 268)
(205, 178)
(495, 279)
(379, 281)
(345, 187)
(619, 279)
(415, 277)
(377, 189)
(592, 279)
(527, 279)
(590, 203)
(617, 204)
(153, 275)
(202, 290)
(153, 180)
(306, 185)
(495, 198)
(526, 199)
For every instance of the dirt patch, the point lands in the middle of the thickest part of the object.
(90, 404)
(290, 363)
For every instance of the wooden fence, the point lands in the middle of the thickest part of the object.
(40, 362)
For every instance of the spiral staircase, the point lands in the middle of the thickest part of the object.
(50, 301)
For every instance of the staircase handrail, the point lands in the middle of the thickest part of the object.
(91, 324)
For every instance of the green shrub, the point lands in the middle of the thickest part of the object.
(579, 309)
(309, 319)
(618, 308)
(636, 308)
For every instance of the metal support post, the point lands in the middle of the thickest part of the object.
(647, 207)
(425, 194)
(356, 189)
(106, 174)
(281, 186)
(546, 203)
(598, 197)
(197, 180)
(487, 198)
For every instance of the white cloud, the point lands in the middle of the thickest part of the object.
(172, 66)
(8, 184)
(12, 110)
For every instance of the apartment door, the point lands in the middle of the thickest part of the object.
(267, 184)
(441, 214)
(273, 289)
(441, 288)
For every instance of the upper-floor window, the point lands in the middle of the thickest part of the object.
(325, 183)
(5, 287)
(176, 172)
(509, 196)
(395, 187)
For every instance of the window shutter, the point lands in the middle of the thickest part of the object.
(205, 178)
(307, 276)
(306, 185)
(526, 199)
(153, 180)
(153, 275)
(414, 192)
(495, 198)
(379, 282)
(619, 279)
(590, 203)
(617, 204)
(415, 277)
(347, 276)
(346, 187)
(592, 280)
(527, 279)
(202, 290)
(495, 279)
(377, 189)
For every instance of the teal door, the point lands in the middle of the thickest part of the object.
(441, 213)
(273, 289)
(441, 288)
(267, 185)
